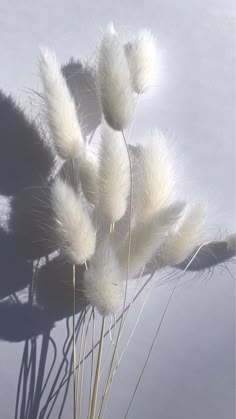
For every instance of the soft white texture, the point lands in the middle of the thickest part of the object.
(113, 175)
(184, 239)
(147, 237)
(81, 80)
(88, 173)
(231, 242)
(103, 285)
(114, 82)
(74, 231)
(152, 177)
(142, 59)
(61, 110)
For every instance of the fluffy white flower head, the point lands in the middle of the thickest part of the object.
(114, 175)
(114, 82)
(147, 237)
(142, 59)
(103, 285)
(153, 176)
(61, 110)
(74, 231)
(185, 237)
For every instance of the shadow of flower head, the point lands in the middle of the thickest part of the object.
(54, 288)
(81, 80)
(25, 159)
(19, 322)
(16, 270)
(30, 220)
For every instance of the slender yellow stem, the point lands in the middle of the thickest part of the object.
(156, 335)
(92, 364)
(74, 351)
(97, 372)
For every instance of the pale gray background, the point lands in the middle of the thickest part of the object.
(191, 371)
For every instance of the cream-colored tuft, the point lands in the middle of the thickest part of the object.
(152, 178)
(142, 59)
(114, 82)
(61, 110)
(231, 242)
(74, 231)
(147, 237)
(88, 173)
(114, 175)
(103, 285)
(183, 240)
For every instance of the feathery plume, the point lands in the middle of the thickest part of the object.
(152, 178)
(114, 82)
(81, 80)
(113, 175)
(88, 174)
(184, 238)
(142, 59)
(61, 110)
(74, 231)
(231, 243)
(103, 285)
(147, 237)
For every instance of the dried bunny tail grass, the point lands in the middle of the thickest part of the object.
(231, 243)
(61, 110)
(185, 237)
(74, 231)
(81, 80)
(88, 174)
(103, 285)
(147, 237)
(114, 175)
(114, 82)
(141, 55)
(153, 177)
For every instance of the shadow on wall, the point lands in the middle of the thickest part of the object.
(25, 158)
(16, 270)
(29, 161)
(26, 163)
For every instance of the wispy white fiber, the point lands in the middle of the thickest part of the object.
(114, 175)
(88, 174)
(114, 82)
(184, 239)
(61, 110)
(231, 242)
(142, 60)
(81, 80)
(103, 285)
(153, 177)
(74, 231)
(147, 237)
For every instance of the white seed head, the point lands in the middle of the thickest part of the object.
(185, 237)
(74, 231)
(231, 242)
(114, 82)
(61, 110)
(152, 178)
(103, 285)
(147, 237)
(88, 174)
(114, 175)
(142, 59)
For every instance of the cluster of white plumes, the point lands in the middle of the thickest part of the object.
(134, 183)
